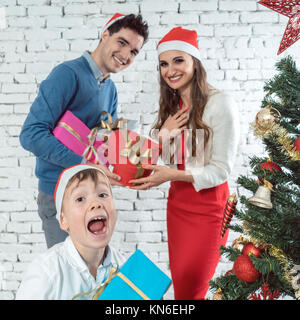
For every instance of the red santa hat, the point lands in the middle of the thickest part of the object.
(180, 39)
(63, 180)
(116, 17)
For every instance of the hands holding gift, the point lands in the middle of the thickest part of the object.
(160, 175)
(113, 178)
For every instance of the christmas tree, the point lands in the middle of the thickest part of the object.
(266, 256)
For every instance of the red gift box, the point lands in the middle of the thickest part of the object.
(76, 136)
(127, 151)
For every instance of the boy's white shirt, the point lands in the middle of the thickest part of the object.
(60, 273)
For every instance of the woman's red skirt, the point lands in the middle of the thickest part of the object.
(194, 222)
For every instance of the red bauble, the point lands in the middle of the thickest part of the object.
(297, 144)
(250, 248)
(270, 165)
(244, 269)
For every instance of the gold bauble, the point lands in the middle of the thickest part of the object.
(267, 117)
(239, 243)
(218, 295)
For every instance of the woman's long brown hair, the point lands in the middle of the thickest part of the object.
(169, 102)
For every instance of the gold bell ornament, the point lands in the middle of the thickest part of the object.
(262, 196)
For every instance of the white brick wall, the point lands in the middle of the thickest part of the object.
(238, 43)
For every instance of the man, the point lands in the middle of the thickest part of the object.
(83, 87)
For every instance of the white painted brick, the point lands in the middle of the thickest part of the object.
(159, 215)
(12, 205)
(12, 68)
(57, 45)
(155, 247)
(179, 19)
(219, 18)
(236, 75)
(24, 22)
(259, 17)
(43, 34)
(151, 194)
(8, 162)
(18, 227)
(32, 2)
(31, 238)
(127, 226)
(237, 5)
(126, 8)
(235, 30)
(8, 238)
(44, 11)
(229, 64)
(144, 237)
(18, 88)
(64, 22)
(153, 226)
(151, 18)
(267, 29)
(34, 46)
(39, 67)
(79, 9)
(7, 182)
(17, 11)
(199, 6)
(21, 108)
(82, 33)
(123, 205)
(158, 6)
(24, 78)
(122, 193)
(135, 215)
(21, 217)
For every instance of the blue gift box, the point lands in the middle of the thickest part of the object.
(138, 279)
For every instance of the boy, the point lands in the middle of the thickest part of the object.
(83, 87)
(85, 209)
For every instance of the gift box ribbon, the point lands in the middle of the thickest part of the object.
(132, 152)
(110, 125)
(90, 148)
(100, 288)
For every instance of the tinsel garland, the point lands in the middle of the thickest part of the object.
(282, 137)
(275, 252)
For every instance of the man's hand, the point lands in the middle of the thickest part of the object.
(113, 178)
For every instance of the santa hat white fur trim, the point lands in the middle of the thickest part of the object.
(179, 45)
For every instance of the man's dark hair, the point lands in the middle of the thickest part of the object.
(133, 22)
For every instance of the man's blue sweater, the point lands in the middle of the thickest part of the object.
(71, 86)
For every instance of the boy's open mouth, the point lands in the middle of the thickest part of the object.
(97, 225)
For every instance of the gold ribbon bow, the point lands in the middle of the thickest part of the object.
(100, 288)
(268, 185)
(110, 125)
(133, 152)
(90, 148)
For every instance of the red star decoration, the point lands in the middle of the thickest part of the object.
(291, 9)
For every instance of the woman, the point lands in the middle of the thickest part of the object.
(199, 188)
